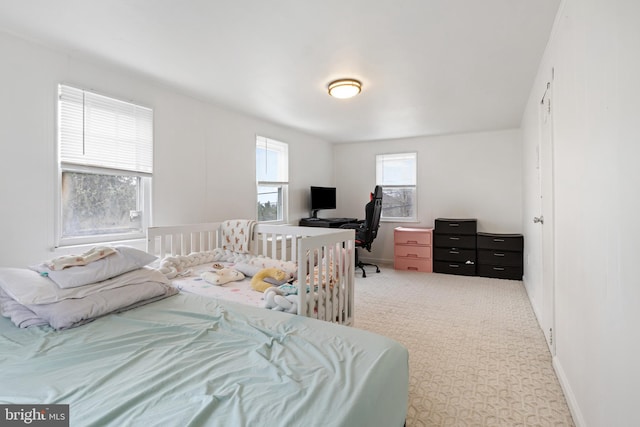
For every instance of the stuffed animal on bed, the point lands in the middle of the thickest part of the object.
(277, 300)
(221, 276)
(274, 300)
(258, 283)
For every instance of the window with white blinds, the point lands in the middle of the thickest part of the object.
(272, 178)
(105, 148)
(396, 173)
(99, 131)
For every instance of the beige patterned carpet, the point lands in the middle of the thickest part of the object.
(476, 354)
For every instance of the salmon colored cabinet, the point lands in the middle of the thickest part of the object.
(413, 249)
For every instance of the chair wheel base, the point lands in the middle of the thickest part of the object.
(361, 266)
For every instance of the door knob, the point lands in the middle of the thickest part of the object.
(538, 219)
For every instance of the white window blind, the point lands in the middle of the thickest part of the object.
(396, 169)
(396, 173)
(272, 176)
(272, 159)
(99, 131)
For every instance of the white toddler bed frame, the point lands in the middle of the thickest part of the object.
(330, 300)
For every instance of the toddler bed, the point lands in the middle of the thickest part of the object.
(320, 262)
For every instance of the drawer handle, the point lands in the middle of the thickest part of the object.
(498, 254)
(498, 268)
(498, 240)
(454, 266)
(454, 252)
(412, 255)
(453, 224)
(412, 268)
(412, 242)
(454, 238)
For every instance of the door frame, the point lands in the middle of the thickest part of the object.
(546, 211)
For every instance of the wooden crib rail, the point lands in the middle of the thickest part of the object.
(325, 259)
(183, 239)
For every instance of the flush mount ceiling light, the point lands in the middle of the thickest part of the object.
(344, 88)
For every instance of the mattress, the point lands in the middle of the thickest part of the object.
(195, 361)
(237, 291)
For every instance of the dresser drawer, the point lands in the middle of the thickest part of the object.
(454, 254)
(454, 268)
(412, 236)
(413, 264)
(455, 226)
(505, 242)
(452, 241)
(500, 258)
(500, 272)
(409, 251)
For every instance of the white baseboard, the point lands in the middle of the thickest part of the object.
(533, 303)
(576, 413)
(574, 408)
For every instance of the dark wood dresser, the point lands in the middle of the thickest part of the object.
(454, 242)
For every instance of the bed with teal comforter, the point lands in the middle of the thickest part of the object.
(192, 361)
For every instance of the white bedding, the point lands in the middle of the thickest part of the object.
(29, 299)
(28, 287)
(238, 291)
(190, 280)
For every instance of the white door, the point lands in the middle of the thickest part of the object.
(545, 220)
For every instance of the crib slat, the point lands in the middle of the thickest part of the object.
(294, 249)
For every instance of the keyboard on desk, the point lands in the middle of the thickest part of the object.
(326, 222)
(343, 220)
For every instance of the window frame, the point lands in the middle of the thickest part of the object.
(281, 182)
(62, 166)
(410, 183)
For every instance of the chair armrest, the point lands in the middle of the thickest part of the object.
(353, 225)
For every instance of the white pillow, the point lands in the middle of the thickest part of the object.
(126, 259)
(247, 269)
(29, 287)
(24, 285)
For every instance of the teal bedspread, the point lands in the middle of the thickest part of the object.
(192, 361)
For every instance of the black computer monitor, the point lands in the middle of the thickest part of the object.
(322, 198)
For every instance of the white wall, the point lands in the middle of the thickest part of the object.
(474, 175)
(595, 51)
(204, 154)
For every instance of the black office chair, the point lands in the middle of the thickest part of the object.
(367, 229)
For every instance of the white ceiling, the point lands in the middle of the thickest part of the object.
(427, 66)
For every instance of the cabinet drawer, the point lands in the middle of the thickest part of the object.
(505, 242)
(456, 226)
(413, 264)
(412, 236)
(454, 254)
(454, 268)
(500, 272)
(453, 241)
(410, 251)
(500, 258)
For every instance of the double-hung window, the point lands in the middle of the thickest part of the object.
(272, 178)
(105, 152)
(396, 173)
